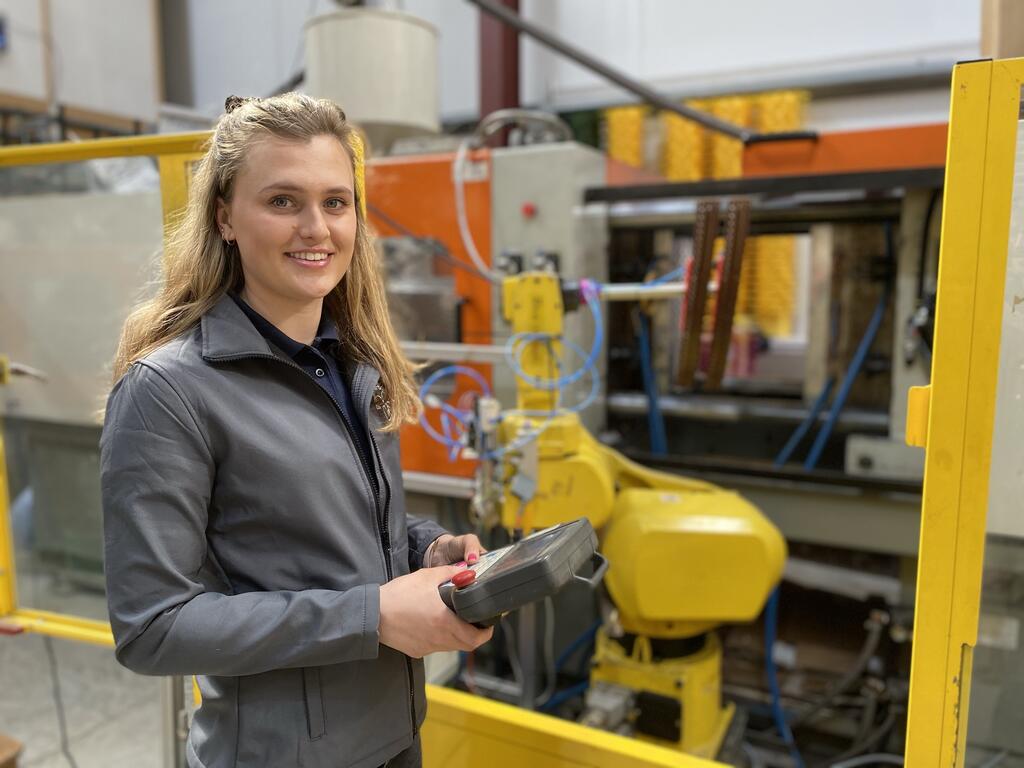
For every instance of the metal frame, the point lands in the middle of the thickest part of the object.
(954, 417)
(174, 153)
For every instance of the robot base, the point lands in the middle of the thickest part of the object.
(675, 702)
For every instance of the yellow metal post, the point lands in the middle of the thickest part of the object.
(8, 588)
(175, 176)
(975, 229)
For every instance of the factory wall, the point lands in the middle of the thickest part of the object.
(23, 66)
(99, 58)
(675, 47)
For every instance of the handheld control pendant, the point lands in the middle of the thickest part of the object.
(533, 568)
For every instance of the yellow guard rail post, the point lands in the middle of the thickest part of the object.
(955, 418)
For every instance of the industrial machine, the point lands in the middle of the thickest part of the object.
(685, 556)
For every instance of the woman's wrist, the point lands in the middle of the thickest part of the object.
(428, 556)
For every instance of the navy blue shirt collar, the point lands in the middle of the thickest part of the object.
(326, 333)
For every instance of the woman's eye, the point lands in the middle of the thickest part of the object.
(280, 202)
(336, 203)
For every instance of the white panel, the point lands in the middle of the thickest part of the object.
(1006, 478)
(105, 57)
(879, 110)
(71, 267)
(22, 65)
(246, 47)
(458, 25)
(693, 47)
(249, 47)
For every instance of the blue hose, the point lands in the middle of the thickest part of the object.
(805, 425)
(771, 624)
(675, 274)
(856, 364)
(584, 638)
(655, 418)
(517, 343)
(851, 374)
(447, 439)
(565, 695)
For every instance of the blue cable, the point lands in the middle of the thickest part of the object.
(453, 445)
(514, 350)
(655, 419)
(584, 638)
(805, 425)
(851, 374)
(674, 274)
(856, 364)
(595, 389)
(564, 695)
(771, 624)
(451, 370)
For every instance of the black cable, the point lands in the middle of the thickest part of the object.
(58, 701)
(868, 743)
(439, 250)
(876, 627)
(922, 260)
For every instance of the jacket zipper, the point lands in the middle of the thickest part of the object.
(387, 506)
(379, 517)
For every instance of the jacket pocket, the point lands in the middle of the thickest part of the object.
(314, 702)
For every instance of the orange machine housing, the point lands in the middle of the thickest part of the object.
(417, 193)
(881, 149)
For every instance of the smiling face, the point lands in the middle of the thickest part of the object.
(292, 214)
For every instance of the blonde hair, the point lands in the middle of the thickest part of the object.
(199, 267)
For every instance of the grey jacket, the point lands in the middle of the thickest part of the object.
(245, 544)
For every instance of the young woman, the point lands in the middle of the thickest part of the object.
(255, 525)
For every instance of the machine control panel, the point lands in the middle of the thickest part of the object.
(533, 568)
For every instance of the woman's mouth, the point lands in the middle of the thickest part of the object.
(310, 258)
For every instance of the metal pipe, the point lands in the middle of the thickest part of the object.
(453, 351)
(633, 86)
(635, 291)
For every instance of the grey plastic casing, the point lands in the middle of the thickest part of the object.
(518, 575)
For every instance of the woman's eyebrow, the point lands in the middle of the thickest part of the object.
(287, 186)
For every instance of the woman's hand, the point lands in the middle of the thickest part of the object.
(454, 549)
(415, 621)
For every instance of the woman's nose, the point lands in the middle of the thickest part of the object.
(312, 225)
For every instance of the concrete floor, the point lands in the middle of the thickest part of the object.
(113, 715)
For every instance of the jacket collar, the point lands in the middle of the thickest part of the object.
(227, 334)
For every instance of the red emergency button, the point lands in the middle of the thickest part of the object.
(529, 210)
(463, 578)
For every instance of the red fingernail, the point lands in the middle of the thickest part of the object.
(463, 579)
(461, 564)
(472, 558)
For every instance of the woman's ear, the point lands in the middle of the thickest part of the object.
(224, 221)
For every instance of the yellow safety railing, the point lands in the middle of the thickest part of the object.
(174, 153)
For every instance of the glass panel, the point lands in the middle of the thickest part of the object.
(995, 733)
(78, 244)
